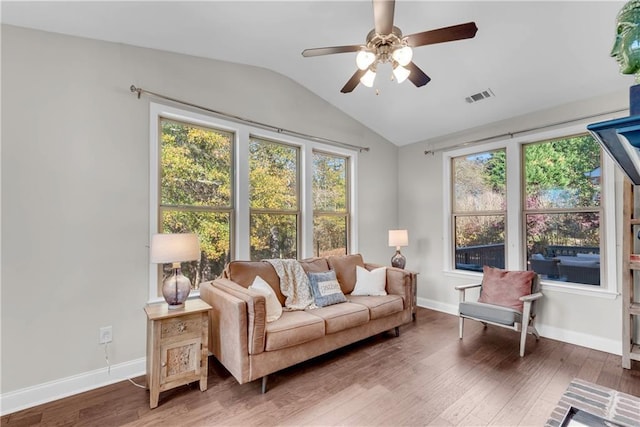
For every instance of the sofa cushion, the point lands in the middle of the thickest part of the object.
(315, 265)
(489, 312)
(273, 306)
(345, 268)
(379, 306)
(293, 328)
(245, 272)
(370, 282)
(325, 288)
(342, 316)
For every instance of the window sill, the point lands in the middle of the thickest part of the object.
(568, 288)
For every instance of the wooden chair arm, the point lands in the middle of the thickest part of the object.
(532, 297)
(469, 286)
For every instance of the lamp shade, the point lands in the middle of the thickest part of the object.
(170, 248)
(398, 238)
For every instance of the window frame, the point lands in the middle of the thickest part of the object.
(348, 202)
(242, 131)
(515, 228)
(455, 214)
(297, 212)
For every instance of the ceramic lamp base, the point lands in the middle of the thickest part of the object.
(176, 289)
(398, 260)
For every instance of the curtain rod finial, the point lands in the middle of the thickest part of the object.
(135, 89)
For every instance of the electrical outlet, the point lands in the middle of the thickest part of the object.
(106, 335)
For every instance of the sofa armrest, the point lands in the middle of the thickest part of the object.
(399, 283)
(255, 312)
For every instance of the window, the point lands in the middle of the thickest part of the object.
(562, 208)
(273, 178)
(196, 192)
(543, 200)
(330, 204)
(247, 192)
(479, 210)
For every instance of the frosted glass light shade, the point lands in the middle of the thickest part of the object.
(172, 248)
(403, 55)
(364, 58)
(398, 238)
(401, 73)
(368, 78)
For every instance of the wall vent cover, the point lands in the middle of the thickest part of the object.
(480, 96)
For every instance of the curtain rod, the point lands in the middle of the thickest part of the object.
(512, 134)
(140, 91)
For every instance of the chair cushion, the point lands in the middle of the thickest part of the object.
(379, 306)
(341, 316)
(490, 313)
(504, 288)
(293, 328)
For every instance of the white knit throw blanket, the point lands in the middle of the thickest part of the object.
(294, 284)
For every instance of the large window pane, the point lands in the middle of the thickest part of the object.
(273, 175)
(273, 236)
(565, 246)
(213, 230)
(329, 183)
(563, 173)
(195, 165)
(329, 235)
(479, 182)
(479, 241)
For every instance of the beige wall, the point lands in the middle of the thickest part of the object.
(75, 188)
(585, 320)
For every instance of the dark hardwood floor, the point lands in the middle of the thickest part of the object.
(424, 377)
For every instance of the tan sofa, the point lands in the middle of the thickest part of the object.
(250, 348)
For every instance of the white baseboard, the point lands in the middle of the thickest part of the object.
(42, 393)
(571, 337)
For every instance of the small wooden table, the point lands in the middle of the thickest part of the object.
(177, 346)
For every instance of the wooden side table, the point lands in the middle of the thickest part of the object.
(177, 346)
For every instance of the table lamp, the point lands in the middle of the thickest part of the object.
(398, 238)
(175, 249)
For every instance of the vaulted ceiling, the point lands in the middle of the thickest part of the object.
(529, 55)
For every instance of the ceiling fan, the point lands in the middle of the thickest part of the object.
(385, 43)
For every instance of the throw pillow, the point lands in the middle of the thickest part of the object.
(274, 309)
(504, 288)
(370, 282)
(326, 289)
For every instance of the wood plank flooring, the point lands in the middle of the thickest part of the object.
(424, 377)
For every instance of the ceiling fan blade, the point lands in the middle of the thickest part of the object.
(441, 35)
(417, 76)
(353, 81)
(383, 16)
(330, 50)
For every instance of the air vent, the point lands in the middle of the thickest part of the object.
(480, 96)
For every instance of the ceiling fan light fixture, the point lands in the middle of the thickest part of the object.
(368, 78)
(401, 73)
(364, 59)
(403, 55)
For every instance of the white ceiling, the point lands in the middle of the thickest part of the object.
(532, 55)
